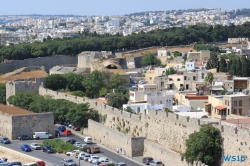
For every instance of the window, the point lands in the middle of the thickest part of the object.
(150, 78)
(178, 79)
(185, 77)
(235, 103)
(228, 111)
(240, 103)
(160, 102)
(235, 111)
(166, 102)
(194, 78)
(227, 103)
(202, 76)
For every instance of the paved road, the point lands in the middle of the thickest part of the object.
(55, 159)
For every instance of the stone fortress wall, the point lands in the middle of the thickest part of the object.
(47, 62)
(166, 129)
(12, 126)
(23, 85)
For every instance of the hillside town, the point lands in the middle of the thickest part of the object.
(150, 88)
(29, 28)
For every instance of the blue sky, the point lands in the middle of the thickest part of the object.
(110, 7)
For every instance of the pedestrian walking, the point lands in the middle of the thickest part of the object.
(117, 150)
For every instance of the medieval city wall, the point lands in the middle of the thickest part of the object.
(47, 62)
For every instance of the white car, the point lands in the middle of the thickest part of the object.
(93, 158)
(78, 144)
(81, 155)
(88, 140)
(35, 146)
(72, 152)
(87, 156)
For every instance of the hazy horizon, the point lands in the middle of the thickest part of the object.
(111, 7)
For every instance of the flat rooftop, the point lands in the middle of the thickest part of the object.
(13, 110)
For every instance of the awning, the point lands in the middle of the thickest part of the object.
(220, 108)
(220, 89)
(207, 104)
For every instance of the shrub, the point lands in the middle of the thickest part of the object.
(78, 93)
(59, 145)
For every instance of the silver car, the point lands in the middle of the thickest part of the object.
(35, 146)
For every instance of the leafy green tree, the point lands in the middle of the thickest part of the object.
(117, 100)
(209, 79)
(204, 146)
(80, 113)
(223, 64)
(167, 110)
(150, 59)
(170, 71)
(116, 81)
(129, 109)
(212, 62)
(74, 81)
(2, 93)
(103, 92)
(238, 67)
(22, 99)
(93, 83)
(245, 66)
(56, 82)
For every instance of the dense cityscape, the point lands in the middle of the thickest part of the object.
(151, 88)
(30, 28)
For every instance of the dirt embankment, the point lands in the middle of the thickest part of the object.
(23, 73)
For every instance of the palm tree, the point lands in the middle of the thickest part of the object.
(209, 79)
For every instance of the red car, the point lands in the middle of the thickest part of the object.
(77, 128)
(41, 163)
(67, 132)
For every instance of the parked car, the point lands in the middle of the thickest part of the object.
(93, 158)
(2, 162)
(77, 128)
(96, 149)
(41, 163)
(31, 164)
(35, 146)
(57, 133)
(156, 163)
(68, 162)
(24, 137)
(4, 140)
(41, 135)
(121, 164)
(147, 160)
(61, 128)
(67, 132)
(72, 141)
(25, 148)
(16, 163)
(88, 140)
(78, 144)
(76, 154)
(87, 156)
(72, 152)
(81, 155)
(47, 149)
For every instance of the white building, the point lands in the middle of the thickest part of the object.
(141, 107)
(189, 66)
(163, 52)
(147, 93)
